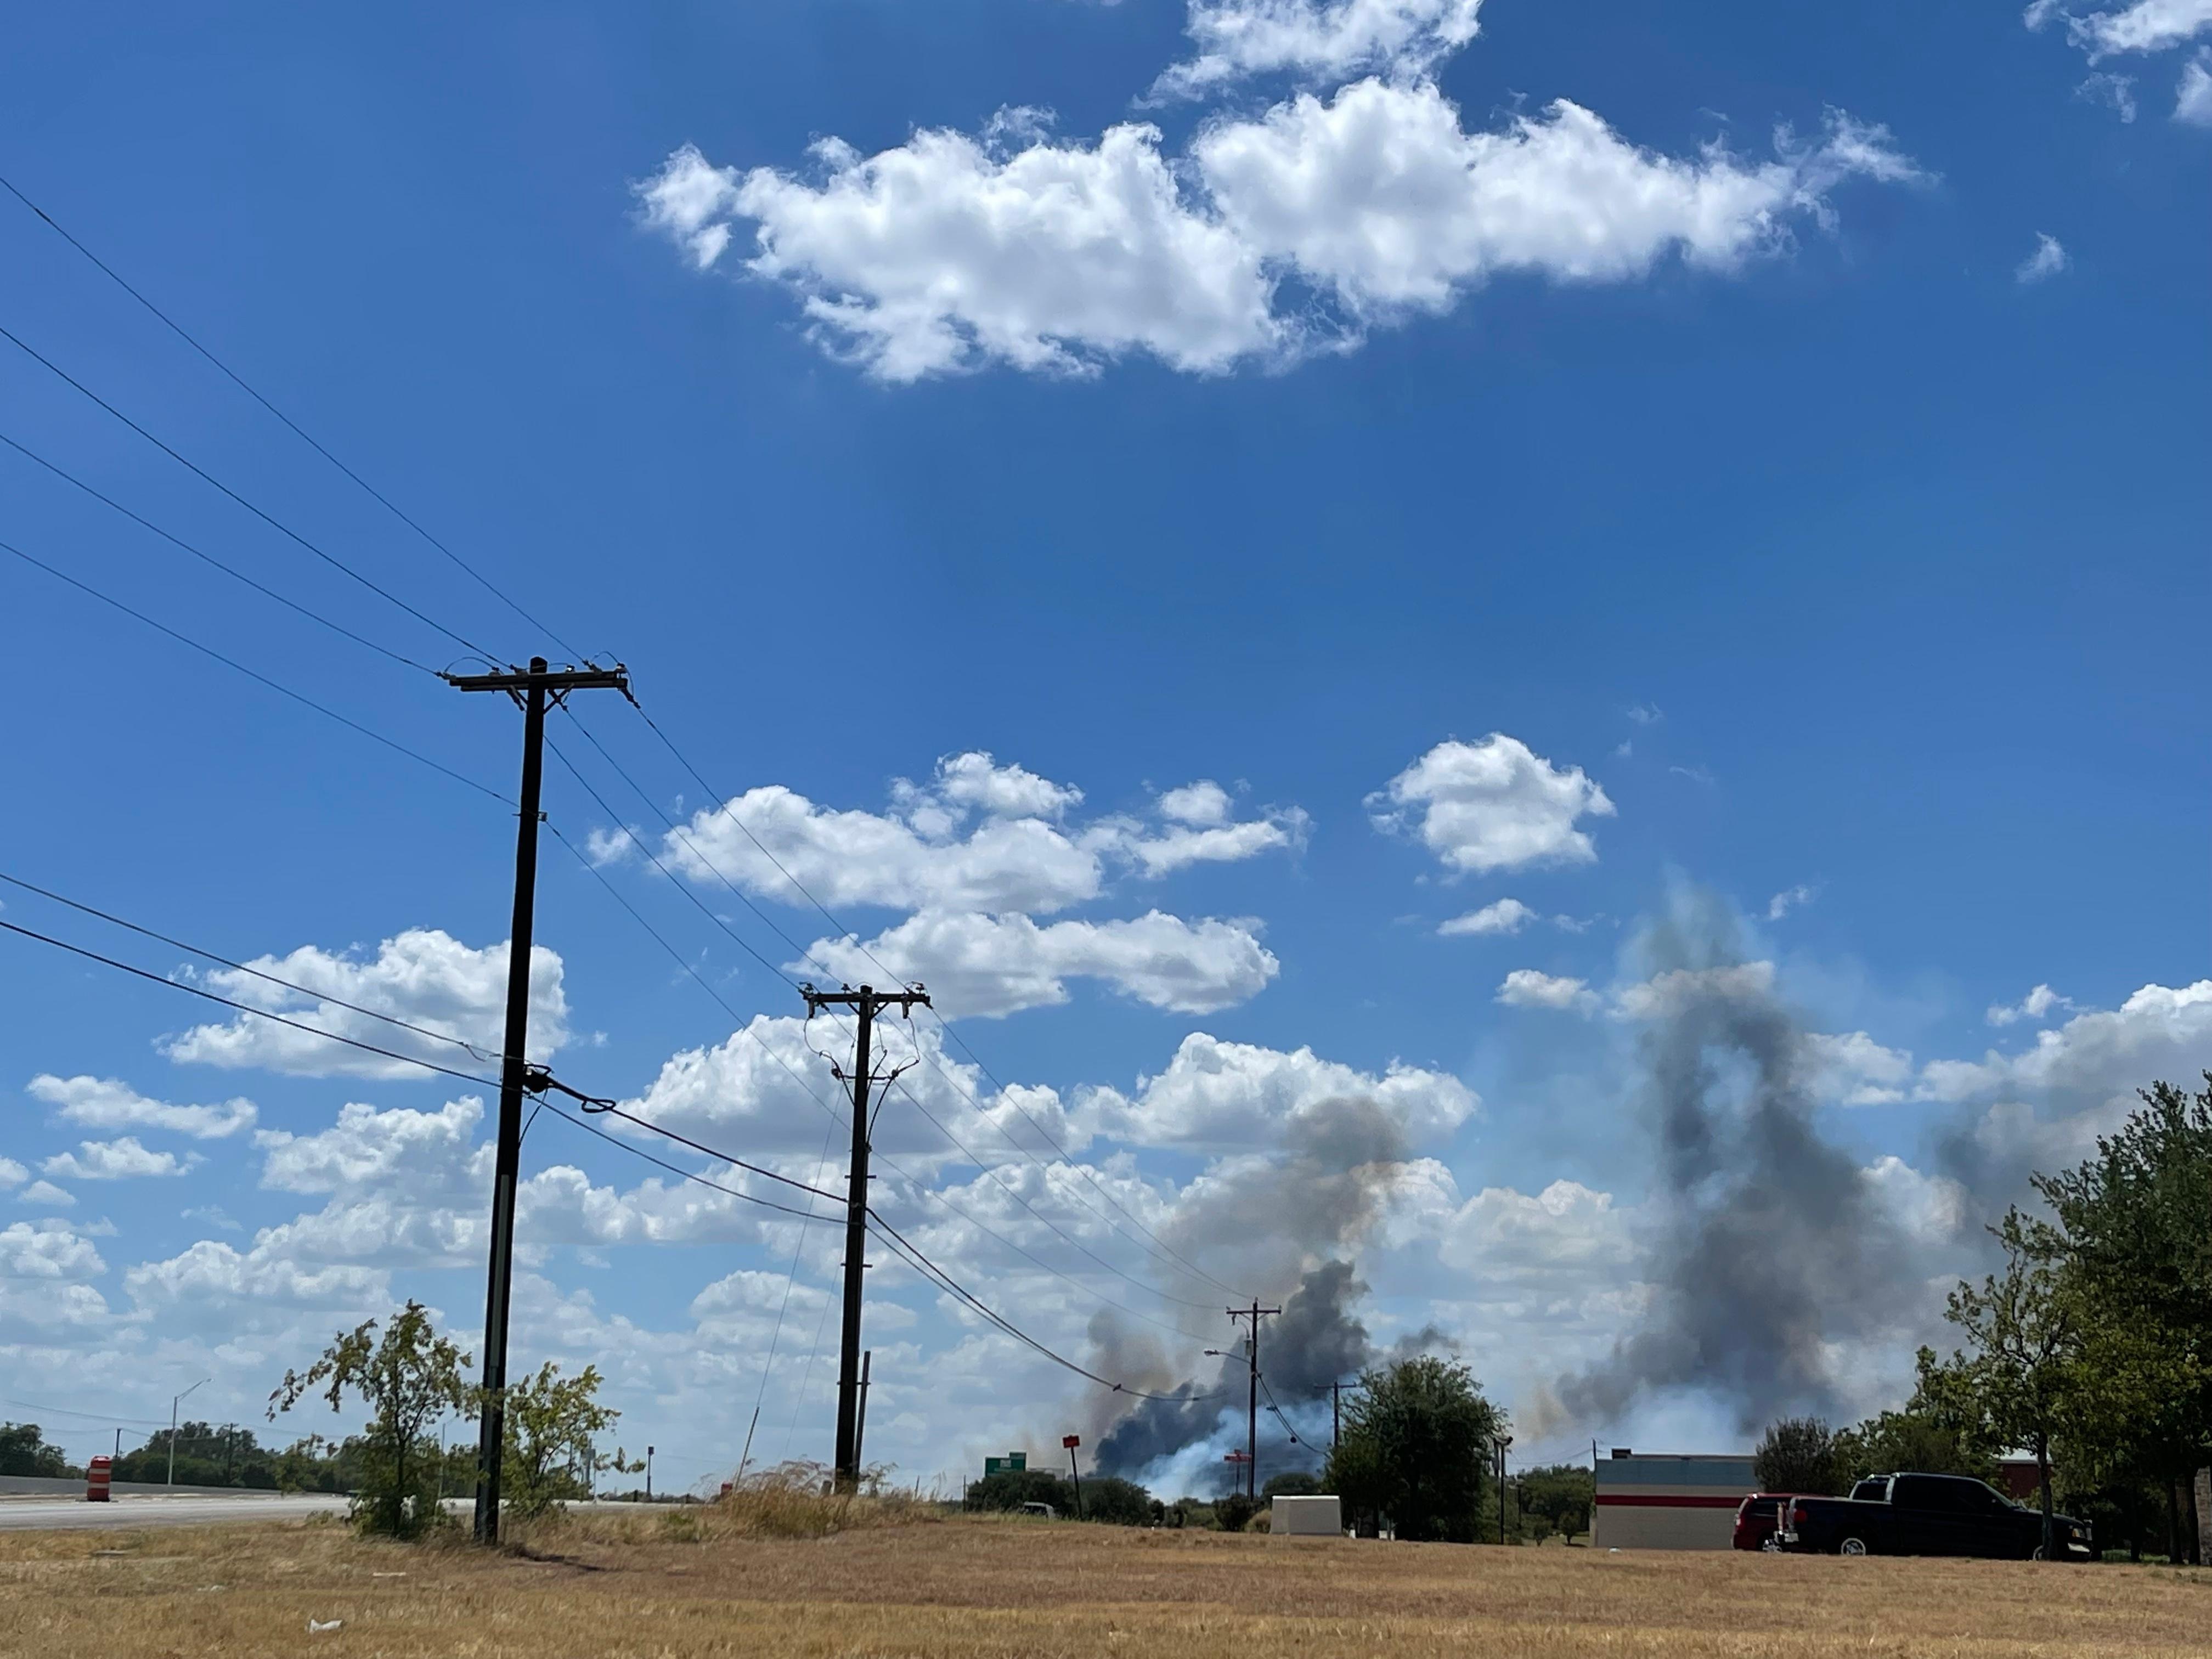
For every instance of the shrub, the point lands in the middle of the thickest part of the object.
(410, 1379)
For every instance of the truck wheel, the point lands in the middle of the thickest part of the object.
(2037, 1554)
(1852, 1547)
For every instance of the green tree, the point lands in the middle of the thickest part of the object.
(1292, 1483)
(2022, 1370)
(553, 1424)
(1561, 1495)
(1416, 1447)
(1116, 1502)
(1799, 1454)
(2132, 1229)
(410, 1379)
(24, 1450)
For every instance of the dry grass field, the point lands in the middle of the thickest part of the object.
(695, 1584)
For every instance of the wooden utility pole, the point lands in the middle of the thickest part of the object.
(864, 1003)
(533, 690)
(1255, 1313)
(860, 1423)
(1074, 1469)
(1335, 1393)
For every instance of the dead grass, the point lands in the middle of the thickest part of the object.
(897, 1581)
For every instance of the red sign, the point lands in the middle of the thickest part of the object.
(1235, 1457)
(1071, 1441)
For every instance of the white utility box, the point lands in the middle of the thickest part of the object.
(1306, 1518)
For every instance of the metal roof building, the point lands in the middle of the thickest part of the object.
(1651, 1502)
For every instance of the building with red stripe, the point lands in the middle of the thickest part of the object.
(1651, 1502)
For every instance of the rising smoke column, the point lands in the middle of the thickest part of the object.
(1773, 1248)
(1316, 1341)
(1285, 1219)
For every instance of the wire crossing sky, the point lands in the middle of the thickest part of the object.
(1474, 647)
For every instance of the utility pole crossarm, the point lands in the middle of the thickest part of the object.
(553, 681)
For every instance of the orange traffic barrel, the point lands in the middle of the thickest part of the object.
(96, 1474)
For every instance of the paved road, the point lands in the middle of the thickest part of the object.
(63, 1514)
(74, 1514)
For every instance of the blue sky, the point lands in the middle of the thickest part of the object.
(1340, 401)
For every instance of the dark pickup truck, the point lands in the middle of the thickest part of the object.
(1926, 1515)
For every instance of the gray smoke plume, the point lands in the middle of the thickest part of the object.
(1280, 1223)
(1316, 1341)
(1771, 1245)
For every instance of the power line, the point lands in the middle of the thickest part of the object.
(685, 1140)
(248, 1008)
(1090, 1291)
(1288, 1427)
(958, 1145)
(938, 1275)
(839, 1121)
(637, 843)
(677, 1169)
(330, 559)
(300, 432)
(736, 1020)
(1181, 1263)
(253, 674)
(1022, 1199)
(790, 1281)
(539, 1078)
(691, 847)
(806, 1374)
(231, 571)
(907, 1251)
(1070, 1159)
(471, 1049)
(97, 1417)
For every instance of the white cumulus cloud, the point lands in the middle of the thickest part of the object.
(2096, 1057)
(423, 975)
(1526, 987)
(2145, 26)
(1791, 898)
(1857, 1071)
(120, 1159)
(977, 964)
(106, 1103)
(1492, 806)
(1198, 830)
(1507, 916)
(2034, 1006)
(2192, 99)
(1332, 39)
(1235, 1096)
(951, 252)
(2048, 259)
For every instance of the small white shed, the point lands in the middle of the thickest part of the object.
(1306, 1518)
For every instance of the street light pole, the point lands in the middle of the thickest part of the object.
(173, 1404)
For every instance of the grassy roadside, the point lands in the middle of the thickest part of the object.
(698, 1582)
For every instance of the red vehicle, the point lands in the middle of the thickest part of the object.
(1759, 1518)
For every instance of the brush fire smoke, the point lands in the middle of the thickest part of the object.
(1772, 1253)
(1285, 1219)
